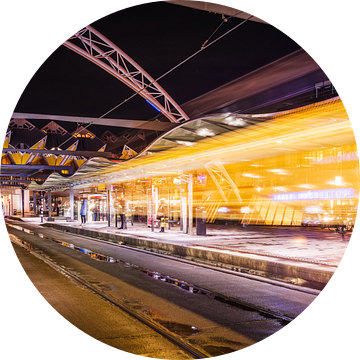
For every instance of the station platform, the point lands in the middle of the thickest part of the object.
(295, 255)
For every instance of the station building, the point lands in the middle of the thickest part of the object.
(289, 168)
(274, 147)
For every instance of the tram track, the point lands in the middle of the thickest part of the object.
(203, 264)
(158, 328)
(192, 288)
(222, 311)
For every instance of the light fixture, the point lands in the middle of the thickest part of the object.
(279, 171)
(234, 121)
(205, 132)
(338, 180)
(251, 176)
(186, 143)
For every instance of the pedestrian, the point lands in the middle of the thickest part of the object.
(120, 209)
(95, 210)
(83, 211)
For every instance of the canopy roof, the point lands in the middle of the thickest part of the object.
(230, 138)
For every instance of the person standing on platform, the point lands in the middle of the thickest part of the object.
(83, 211)
(95, 210)
(120, 209)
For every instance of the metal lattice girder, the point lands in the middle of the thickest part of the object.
(102, 52)
(222, 180)
(23, 158)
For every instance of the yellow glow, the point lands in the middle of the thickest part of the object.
(256, 161)
(303, 130)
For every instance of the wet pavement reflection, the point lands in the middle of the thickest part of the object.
(191, 288)
(180, 329)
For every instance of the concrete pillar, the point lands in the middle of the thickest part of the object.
(108, 213)
(22, 202)
(42, 194)
(190, 201)
(184, 215)
(49, 202)
(10, 204)
(26, 201)
(152, 208)
(34, 200)
(71, 203)
(169, 212)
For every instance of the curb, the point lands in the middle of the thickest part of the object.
(272, 268)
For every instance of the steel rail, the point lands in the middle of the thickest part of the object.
(153, 325)
(216, 296)
(197, 289)
(203, 264)
(212, 267)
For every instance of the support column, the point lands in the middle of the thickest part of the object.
(124, 209)
(169, 211)
(108, 214)
(71, 203)
(190, 201)
(34, 201)
(22, 202)
(152, 207)
(49, 202)
(26, 201)
(184, 216)
(184, 179)
(42, 193)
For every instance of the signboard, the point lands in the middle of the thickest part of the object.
(101, 187)
(201, 179)
(315, 195)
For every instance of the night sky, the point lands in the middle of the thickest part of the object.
(157, 36)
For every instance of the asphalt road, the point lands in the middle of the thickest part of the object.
(219, 328)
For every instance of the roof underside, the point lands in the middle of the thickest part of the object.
(221, 136)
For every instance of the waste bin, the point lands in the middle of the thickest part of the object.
(201, 216)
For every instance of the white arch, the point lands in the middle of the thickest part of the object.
(104, 53)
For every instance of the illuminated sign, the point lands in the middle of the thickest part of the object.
(201, 179)
(350, 156)
(315, 195)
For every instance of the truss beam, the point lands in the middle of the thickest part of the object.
(125, 123)
(105, 54)
(222, 180)
(61, 152)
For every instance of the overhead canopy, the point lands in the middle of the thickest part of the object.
(256, 137)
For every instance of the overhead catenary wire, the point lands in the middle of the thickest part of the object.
(205, 46)
(225, 19)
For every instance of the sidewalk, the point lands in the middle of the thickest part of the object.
(296, 255)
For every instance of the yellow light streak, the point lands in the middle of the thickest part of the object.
(300, 131)
(309, 126)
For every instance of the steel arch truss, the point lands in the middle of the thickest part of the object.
(222, 180)
(102, 52)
